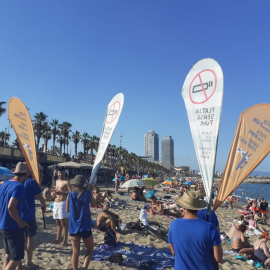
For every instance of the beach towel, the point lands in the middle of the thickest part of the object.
(138, 256)
(255, 263)
(173, 217)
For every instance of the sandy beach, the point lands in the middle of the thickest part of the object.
(53, 256)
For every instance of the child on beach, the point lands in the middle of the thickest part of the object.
(78, 205)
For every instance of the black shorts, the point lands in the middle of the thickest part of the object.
(103, 226)
(83, 235)
(236, 249)
(32, 231)
(13, 241)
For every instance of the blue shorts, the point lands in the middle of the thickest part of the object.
(83, 235)
(13, 241)
(32, 231)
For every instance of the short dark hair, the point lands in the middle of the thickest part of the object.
(60, 169)
(192, 211)
(20, 174)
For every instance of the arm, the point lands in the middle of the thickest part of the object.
(172, 249)
(67, 205)
(218, 253)
(265, 249)
(42, 201)
(93, 202)
(13, 211)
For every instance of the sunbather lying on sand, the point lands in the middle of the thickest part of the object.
(158, 208)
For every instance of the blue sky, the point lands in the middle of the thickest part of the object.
(69, 58)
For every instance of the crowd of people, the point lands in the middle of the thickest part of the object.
(193, 236)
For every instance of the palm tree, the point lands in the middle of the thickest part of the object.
(4, 138)
(15, 144)
(61, 141)
(2, 110)
(76, 139)
(39, 125)
(47, 135)
(65, 129)
(93, 145)
(55, 131)
(85, 139)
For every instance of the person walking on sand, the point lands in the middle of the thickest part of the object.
(12, 225)
(117, 181)
(264, 208)
(62, 188)
(78, 205)
(193, 242)
(32, 191)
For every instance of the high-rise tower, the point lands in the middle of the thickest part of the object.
(151, 145)
(167, 150)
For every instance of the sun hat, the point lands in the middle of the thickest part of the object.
(265, 235)
(79, 181)
(190, 200)
(201, 193)
(22, 167)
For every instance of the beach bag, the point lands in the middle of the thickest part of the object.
(110, 238)
(135, 225)
(116, 258)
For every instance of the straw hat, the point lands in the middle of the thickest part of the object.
(79, 181)
(190, 200)
(201, 193)
(22, 167)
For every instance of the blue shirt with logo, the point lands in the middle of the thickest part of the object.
(10, 189)
(32, 189)
(79, 212)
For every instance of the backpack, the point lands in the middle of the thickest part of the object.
(116, 258)
(110, 238)
(135, 225)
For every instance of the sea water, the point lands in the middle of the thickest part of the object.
(251, 191)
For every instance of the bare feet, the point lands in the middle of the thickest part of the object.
(56, 241)
(64, 244)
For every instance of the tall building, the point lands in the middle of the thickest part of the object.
(167, 150)
(151, 145)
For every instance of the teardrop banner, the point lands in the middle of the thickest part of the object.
(203, 94)
(21, 122)
(113, 113)
(250, 146)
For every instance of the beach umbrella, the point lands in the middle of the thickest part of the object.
(5, 174)
(170, 183)
(150, 193)
(133, 183)
(150, 181)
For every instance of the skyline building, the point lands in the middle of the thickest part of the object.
(151, 145)
(167, 151)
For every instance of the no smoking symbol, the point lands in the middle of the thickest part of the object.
(113, 112)
(203, 86)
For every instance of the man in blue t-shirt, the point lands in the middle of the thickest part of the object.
(32, 191)
(193, 241)
(12, 225)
